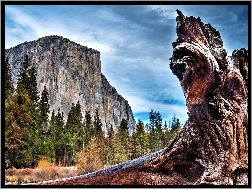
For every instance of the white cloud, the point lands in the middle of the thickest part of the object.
(109, 16)
(41, 27)
(168, 11)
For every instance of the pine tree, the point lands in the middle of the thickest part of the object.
(8, 85)
(173, 132)
(74, 127)
(156, 134)
(33, 85)
(166, 134)
(165, 126)
(88, 129)
(59, 143)
(120, 149)
(142, 142)
(175, 122)
(78, 125)
(123, 135)
(159, 132)
(109, 146)
(97, 124)
(44, 110)
(27, 78)
(52, 126)
(133, 147)
(23, 77)
(33, 154)
(99, 134)
(152, 131)
(17, 120)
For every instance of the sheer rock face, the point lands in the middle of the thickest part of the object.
(72, 72)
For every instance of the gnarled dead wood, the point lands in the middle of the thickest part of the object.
(216, 92)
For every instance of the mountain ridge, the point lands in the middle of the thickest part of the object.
(72, 72)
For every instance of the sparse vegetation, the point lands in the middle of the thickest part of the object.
(89, 159)
(44, 171)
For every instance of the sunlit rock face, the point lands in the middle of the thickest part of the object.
(72, 72)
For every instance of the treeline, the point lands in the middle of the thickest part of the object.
(30, 135)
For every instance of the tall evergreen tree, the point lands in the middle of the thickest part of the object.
(97, 124)
(71, 120)
(152, 131)
(173, 131)
(27, 78)
(74, 127)
(79, 129)
(52, 126)
(33, 85)
(142, 142)
(123, 134)
(44, 110)
(115, 150)
(120, 149)
(17, 120)
(165, 126)
(156, 134)
(59, 133)
(70, 134)
(175, 122)
(166, 134)
(109, 145)
(23, 77)
(133, 146)
(159, 132)
(8, 84)
(99, 134)
(88, 129)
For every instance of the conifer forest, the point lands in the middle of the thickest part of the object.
(33, 133)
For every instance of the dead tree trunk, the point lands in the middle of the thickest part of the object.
(214, 141)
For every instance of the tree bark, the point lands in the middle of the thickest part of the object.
(215, 137)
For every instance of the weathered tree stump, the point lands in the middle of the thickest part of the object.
(215, 137)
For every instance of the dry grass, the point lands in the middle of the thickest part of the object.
(44, 171)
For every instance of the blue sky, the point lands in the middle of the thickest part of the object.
(134, 42)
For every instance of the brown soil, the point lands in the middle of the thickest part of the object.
(134, 176)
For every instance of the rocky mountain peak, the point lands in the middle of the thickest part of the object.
(71, 72)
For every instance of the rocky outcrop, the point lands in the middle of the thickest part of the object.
(72, 72)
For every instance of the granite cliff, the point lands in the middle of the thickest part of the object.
(72, 72)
